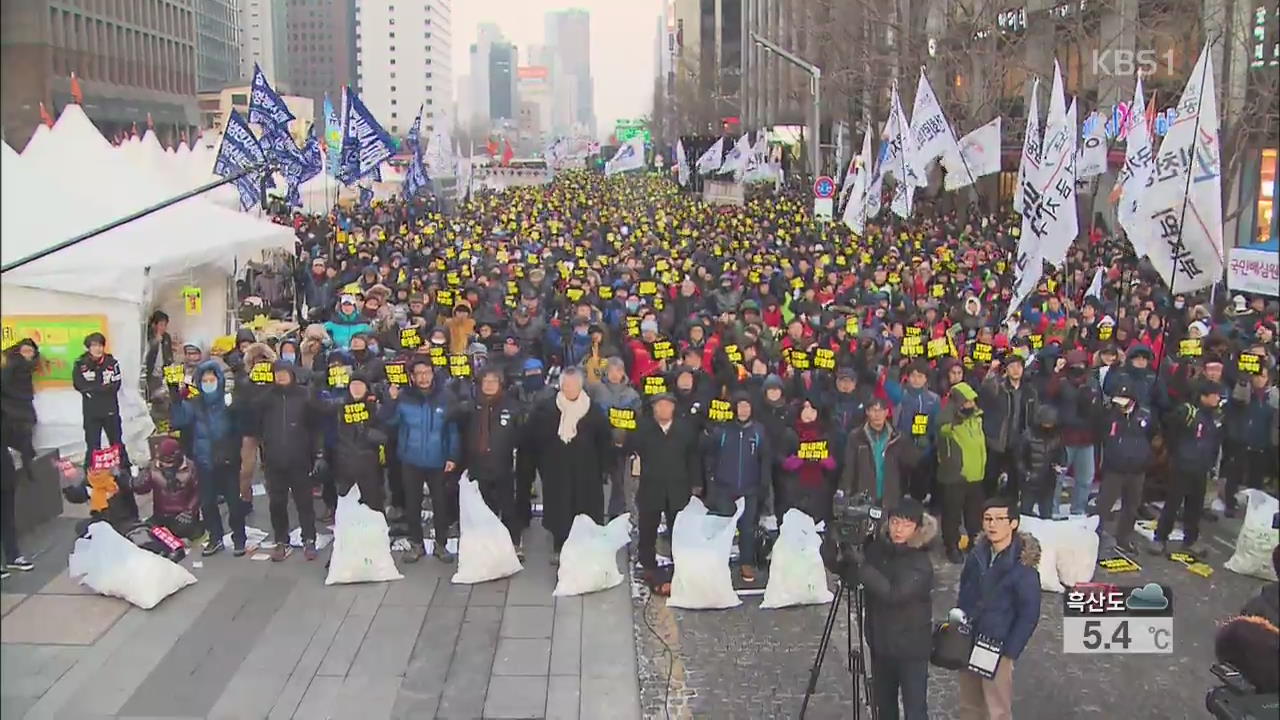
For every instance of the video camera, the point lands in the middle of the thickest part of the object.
(855, 521)
(1237, 698)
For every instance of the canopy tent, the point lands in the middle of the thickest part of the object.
(73, 182)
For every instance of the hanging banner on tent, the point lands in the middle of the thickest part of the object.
(61, 341)
(1253, 271)
(193, 300)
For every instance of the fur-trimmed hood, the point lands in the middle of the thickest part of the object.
(925, 534)
(1029, 552)
(258, 352)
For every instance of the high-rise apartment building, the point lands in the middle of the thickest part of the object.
(131, 60)
(262, 40)
(403, 61)
(494, 96)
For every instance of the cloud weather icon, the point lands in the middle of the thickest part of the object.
(1148, 597)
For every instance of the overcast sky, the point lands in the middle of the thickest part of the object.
(622, 42)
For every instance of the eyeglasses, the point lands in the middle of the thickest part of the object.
(987, 519)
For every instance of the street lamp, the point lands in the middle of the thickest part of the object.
(815, 86)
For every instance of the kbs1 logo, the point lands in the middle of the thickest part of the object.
(1128, 62)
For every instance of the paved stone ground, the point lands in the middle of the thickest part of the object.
(753, 663)
(255, 639)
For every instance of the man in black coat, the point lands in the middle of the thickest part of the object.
(292, 456)
(97, 376)
(898, 578)
(569, 441)
(670, 467)
(490, 433)
(17, 398)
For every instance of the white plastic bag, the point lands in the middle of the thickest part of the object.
(700, 545)
(1257, 539)
(796, 573)
(361, 544)
(589, 558)
(485, 551)
(1068, 550)
(112, 565)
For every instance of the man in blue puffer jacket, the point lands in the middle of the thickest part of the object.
(1000, 595)
(1127, 430)
(215, 443)
(430, 448)
(741, 459)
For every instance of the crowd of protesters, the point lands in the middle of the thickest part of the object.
(557, 331)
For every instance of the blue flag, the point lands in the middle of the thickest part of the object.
(240, 151)
(416, 179)
(365, 145)
(307, 165)
(266, 107)
(414, 131)
(366, 196)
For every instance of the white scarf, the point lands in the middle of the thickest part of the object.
(571, 411)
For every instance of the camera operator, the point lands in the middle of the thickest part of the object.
(1000, 596)
(898, 577)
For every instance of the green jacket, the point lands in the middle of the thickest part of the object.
(962, 446)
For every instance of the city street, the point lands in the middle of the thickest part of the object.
(753, 663)
(256, 639)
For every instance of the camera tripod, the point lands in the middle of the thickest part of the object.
(859, 673)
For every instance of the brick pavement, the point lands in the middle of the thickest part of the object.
(254, 639)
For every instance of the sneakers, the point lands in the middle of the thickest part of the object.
(237, 548)
(442, 554)
(748, 573)
(414, 553)
(212, 549)
(21, 564)
(309, 550)
(281, 551)
(954, 556)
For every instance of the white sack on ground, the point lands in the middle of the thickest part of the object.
(485, 551)
(111, 565)
(589, 558)
(1068, 550)
(700, 545)
(1257, 539)
(796, 573)
(361, 544)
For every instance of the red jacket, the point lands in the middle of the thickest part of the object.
(642, 363)
(174, 493)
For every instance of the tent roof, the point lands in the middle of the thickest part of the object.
(42, 205)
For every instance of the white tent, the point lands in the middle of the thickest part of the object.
(75, 182)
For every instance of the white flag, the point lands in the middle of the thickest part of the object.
(711, 160)
(979, 155)
(931, 134)
(1029, 267)
(682, 164)
(760, 151)
(855, 210)
(1053, 204)
(1183, 204)
(1131, 183)
(1095, 287)
(1093, 151)
(847, 183)
(841, 130)
(629, 157)
(439, 155)
(1030, 161)
(735, 161)
(900, 159)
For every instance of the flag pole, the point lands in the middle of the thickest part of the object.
(130, 218)
(1195, 138)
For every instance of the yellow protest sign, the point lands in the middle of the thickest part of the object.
(1191, 347)
(719, 411)
(173, 374)
(459, 366)
(339, 376)
(261, 374)
(919, 424)
(355, 413)
(410, 338)
(824, 359)
(622, 418)
(395, 373)
(192, 300)
(662, 350)
(813, 450)
(61, 341)
(655, 384)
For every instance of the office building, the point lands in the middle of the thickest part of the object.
(320, 48)
(217, 43)
(129, 64)
(494, 95)
(568, 35)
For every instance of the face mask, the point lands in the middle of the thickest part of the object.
(289, 357)
(1178, 304)
(632, 306)
(967, 410)
(373, 348)
(207, 387)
